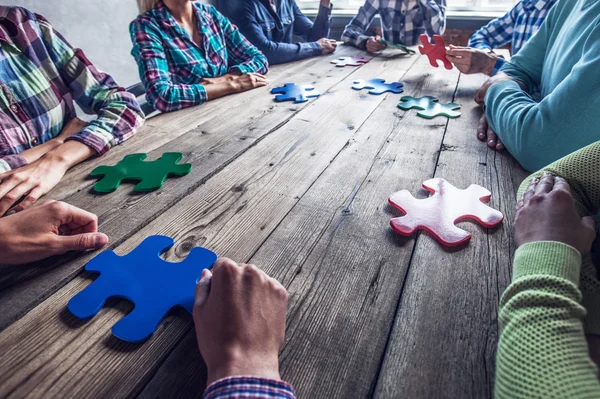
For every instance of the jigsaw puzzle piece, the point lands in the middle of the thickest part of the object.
(167, 165)
(293, 92)
(438, 213)
(152, 284)
(444, 231)
(350, 61)
(113, 175)
(88, 302)
(435, 51)
(429, 107)
(378, 86)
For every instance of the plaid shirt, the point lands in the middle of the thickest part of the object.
(249, 387)
(171, 65)
(40, 76)
(402, 21)
(516, 27)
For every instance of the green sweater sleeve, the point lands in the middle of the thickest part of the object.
(582, 170)
(565, 120)
(542, 351)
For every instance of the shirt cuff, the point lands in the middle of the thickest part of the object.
(314, 48)
(249, 387)
(550, 258)
(499, 63)
(10, 162)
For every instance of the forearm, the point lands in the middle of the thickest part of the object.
(322, 24)
(355, 36)
(542, 350)
(581, 170)
(533, 132)
(279, 53)
(221, 89)
(70, 153)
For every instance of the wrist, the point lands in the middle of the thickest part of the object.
(234, 86)
(258, 366)
(68, 154)
(491, 64)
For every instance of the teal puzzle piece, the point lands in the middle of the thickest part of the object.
(429, 107)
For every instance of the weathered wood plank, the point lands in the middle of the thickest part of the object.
(335, 253)
(445, 333)
(211, 146)
(47, 353)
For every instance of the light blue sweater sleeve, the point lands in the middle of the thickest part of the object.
(566, 119)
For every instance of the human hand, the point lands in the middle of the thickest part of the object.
(487, 134)
(248, 81)
(547, 212)
(49, 228)
(470, 60)
(497, 78)
(327, 46)
(30, 181)
(239, 315)
(374, 44)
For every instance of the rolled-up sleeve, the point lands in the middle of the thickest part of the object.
(119, 114)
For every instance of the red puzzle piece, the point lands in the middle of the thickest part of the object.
(438, 213)
(436, 51)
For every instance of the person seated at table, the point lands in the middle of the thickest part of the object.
(45, 229)
(271, 26)
(40, 136)
(561, 62)
(550, 315)
(239, 314)
(516, 27)
(188, 53)
(402, 22)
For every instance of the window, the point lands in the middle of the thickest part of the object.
(351, 6)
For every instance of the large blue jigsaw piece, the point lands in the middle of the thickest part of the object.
(151, 283)
(293, 92)
(378, 86)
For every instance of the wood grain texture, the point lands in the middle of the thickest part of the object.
(47, 353)
(337, 256)
(445, 334)
(231, 128)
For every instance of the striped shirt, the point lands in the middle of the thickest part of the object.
(249, 387)
(40, 77)
(516, 27)
(172, 65)
(402, 21)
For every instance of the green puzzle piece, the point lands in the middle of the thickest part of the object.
(151, 175)
(429, 107)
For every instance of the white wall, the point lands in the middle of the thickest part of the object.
(99, 27)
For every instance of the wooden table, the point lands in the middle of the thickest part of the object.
(300, 190)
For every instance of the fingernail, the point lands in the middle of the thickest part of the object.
(100, 240)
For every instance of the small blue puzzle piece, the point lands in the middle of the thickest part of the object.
(151, 283)
(378, 86)
(293, 92)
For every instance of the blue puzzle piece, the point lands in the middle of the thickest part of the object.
(293, 92)
(378, 86)
(151, 283)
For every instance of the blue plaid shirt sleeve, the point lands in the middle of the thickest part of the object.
(249, 387)
(497, 33)
(354, 33)
(242, 56)
(434, 12)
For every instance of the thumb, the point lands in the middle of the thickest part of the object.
(203, 288)
(82, 242)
